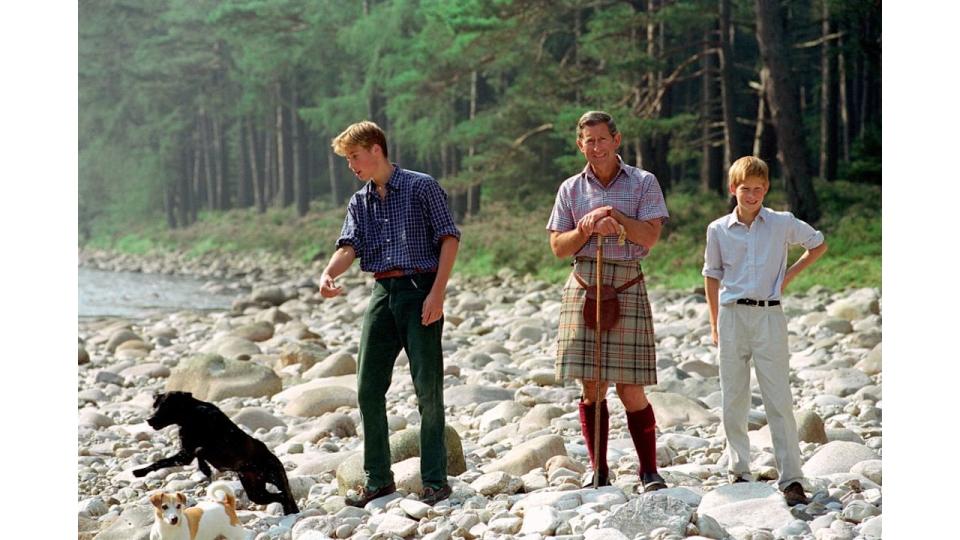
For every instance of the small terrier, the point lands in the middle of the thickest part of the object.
(207, 520)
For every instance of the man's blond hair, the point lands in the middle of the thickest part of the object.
(746, 167)
(365, 134)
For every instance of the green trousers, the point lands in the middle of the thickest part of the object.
(391, 323)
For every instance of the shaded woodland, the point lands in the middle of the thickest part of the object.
(191, 106)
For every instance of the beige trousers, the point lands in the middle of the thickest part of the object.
(760, 333)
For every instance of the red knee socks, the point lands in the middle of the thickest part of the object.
(643, 431)
(587, 412)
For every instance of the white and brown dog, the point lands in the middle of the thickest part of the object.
(205, 521)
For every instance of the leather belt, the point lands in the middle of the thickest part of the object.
(760, 303)
(399, 272)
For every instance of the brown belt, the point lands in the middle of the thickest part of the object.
(398, 272)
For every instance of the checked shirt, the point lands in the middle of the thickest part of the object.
(633, 191)
(402, 231)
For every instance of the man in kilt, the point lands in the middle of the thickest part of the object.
(624, 204)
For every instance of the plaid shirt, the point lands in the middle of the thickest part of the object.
(402, 231)
(633, 191)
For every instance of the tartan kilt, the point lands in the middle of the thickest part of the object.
(628, 349)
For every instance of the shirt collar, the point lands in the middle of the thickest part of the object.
(621, 169)
(732, 218)
(394, 183)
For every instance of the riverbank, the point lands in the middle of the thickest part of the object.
(513, 237)
(515, 450)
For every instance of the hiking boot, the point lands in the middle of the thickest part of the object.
(365, 495)
(432, 495)
(794, 494)
(652, 482)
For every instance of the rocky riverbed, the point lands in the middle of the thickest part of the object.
(282, 362)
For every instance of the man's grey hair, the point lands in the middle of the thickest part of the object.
(592, 118)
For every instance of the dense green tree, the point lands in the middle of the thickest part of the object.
(190, 105)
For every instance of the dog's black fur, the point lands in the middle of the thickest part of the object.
(213, 439)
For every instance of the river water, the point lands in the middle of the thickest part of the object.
(135, 294)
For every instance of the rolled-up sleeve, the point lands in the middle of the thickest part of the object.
(712, 261)
(350, 234)
(434, 201)
(561, 217)
(800, 232)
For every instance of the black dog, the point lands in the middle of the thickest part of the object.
(209, 436)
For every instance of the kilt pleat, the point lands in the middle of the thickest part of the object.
(628, 349)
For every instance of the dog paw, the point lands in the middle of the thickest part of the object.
(140, 472)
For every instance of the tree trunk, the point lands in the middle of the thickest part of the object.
(709, 173)
(731, 139)
(784, 109)
(844, 105)
(218, 165)
(183, 185)
(828, 102)
(207, 165)
(269, 167)
(168, 205)
(301, 192)
(332, 167)
(256, 180)
(243, 174)
(196, 184)
(283, 197)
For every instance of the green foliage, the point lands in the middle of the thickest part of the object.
(151, 72)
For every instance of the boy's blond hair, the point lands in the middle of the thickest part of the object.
(746, 167)
(365, 134)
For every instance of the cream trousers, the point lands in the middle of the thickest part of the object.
(760, 333)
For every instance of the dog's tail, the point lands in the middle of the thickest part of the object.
(221, 492)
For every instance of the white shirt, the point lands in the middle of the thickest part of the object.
(750, 262)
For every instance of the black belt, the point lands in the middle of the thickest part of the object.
(761, 303)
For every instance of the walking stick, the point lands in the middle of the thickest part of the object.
(597, 336)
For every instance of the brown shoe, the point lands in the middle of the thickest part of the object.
(794, 494)
(364, 496)
(433, 495)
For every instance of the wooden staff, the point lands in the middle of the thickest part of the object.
(597, 337)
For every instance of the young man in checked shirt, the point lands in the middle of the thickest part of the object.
(621, 203)
(399, 225)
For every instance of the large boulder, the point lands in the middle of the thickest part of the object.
(474, 393)
(406, 444)
(318, 401)
(751, 504)
(333, 365)
(211, 377)
(675, 410)
(257, 418)
(647, 512)
(133, 524)
(234, 347)
(404, 447)
(304, 353)
(257, 331)
(529, 455)
(858, 305)
(120, 337)
(837, 457)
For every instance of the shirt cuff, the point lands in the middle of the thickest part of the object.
(712, 273)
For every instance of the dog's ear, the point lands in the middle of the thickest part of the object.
(182, 498)
(156, 498)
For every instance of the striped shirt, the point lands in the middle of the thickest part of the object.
(402, 231)
(633, 191)
(751, 262)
